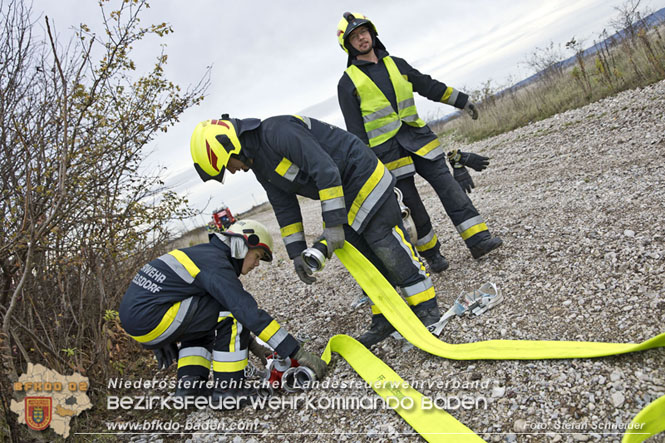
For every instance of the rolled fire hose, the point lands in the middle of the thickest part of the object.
(436, 424)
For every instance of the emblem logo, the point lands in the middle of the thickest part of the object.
(38, 412)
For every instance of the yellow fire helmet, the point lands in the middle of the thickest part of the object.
(349, 22)
(256, 235)
(212, 144)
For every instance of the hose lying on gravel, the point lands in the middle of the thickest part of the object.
(435, 424)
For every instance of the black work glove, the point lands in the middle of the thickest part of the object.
(259, 350)
(303, 271)
(463, 178)
(166, 355)
(473, 161)
(311, 361)
(334, 236)
(470, 108)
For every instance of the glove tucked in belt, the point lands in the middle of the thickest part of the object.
(463, 178)
(473, 161)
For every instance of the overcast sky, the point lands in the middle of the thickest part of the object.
(270, 58)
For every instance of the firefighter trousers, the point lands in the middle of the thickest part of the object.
(214, 338)
(385, 243)
(211, 336)
(457, 204)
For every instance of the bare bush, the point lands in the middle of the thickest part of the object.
(77, 214)
(546, 62)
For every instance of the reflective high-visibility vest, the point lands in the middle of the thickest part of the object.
(380, 119)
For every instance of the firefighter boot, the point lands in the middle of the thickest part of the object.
(435, 260)
(485, 246)
(427, 312)
(379, 329)
(192, 386)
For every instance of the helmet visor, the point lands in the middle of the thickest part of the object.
(205, 176)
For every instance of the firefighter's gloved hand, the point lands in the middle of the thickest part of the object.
(463, 178)
(474, 161)
(259, 350)
(303, 271)
(470, 108)
(334, 236)
(307, 359)
(166, 355)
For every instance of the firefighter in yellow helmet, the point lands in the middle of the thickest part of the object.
(375, 95)
(293, 155)
(193, 297)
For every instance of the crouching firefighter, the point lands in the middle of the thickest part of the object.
(193, 296)
(293, 155)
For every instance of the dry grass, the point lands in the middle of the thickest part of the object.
(635, 61)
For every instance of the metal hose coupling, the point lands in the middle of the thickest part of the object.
(297, 379)
(404, 209)
(315, 257)
(407, 220)
(265, 390)
(252, 371)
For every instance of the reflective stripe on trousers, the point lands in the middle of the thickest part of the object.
(427, 242)
(169, 324)
(471, 227)
(230, 350)
(194, 356)
(223, 361)
(389, 251)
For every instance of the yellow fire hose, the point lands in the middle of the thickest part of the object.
(435, 424)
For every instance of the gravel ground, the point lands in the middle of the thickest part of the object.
(579, 200)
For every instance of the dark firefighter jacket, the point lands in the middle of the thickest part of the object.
(410, 138)
(205, 270)
(296, 155)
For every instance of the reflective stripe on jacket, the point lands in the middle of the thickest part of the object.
(408, 140)
(296, 155)
(157, 300)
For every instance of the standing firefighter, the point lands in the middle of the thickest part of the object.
(193, 296)
(294, 155)
(376, 97)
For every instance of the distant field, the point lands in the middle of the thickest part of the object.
(255, 210)
(635, 60)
